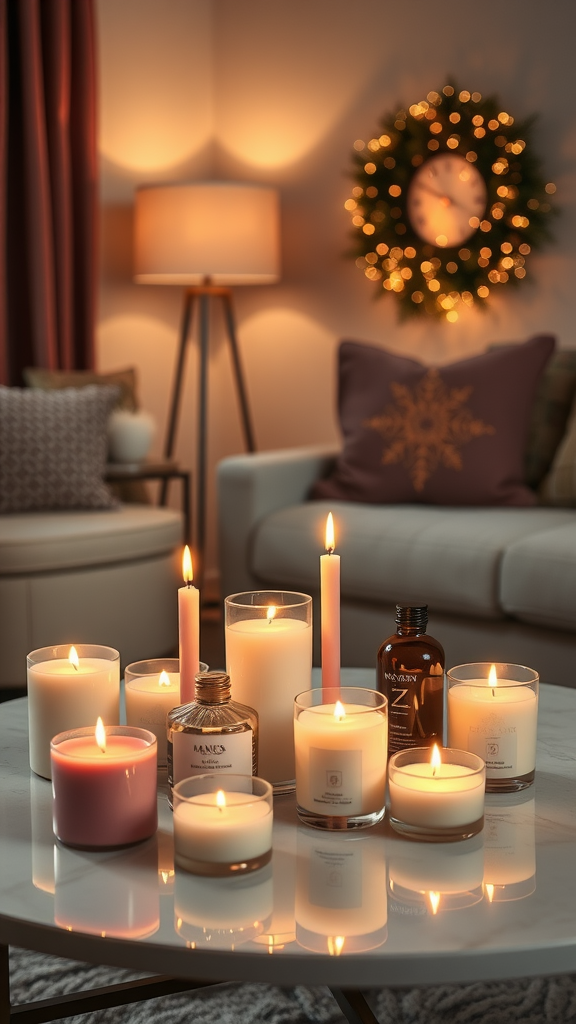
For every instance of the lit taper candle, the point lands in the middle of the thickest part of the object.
(189, 630)
(330, 610)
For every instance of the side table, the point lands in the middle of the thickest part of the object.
(164, 471)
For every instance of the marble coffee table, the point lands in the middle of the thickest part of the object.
(349, 912)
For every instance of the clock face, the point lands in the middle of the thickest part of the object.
(444, 194)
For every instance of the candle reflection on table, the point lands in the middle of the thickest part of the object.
(166, 871)
(42, 835)
(509, 847)
(109, 893)
(341, 899)
(437, 877)
(282, 928)
(222, 913)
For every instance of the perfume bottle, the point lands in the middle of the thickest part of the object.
(411, 676)
(211, 734)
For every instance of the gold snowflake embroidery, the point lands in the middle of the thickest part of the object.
(427, 427)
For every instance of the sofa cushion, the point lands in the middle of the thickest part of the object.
(55, 380)
(552, 404)
(559, 486)
(450, 435)
(53, 448)
(539, 577)
(41, 541)
(448, 558)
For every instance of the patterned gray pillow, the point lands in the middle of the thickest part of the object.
(53, 447)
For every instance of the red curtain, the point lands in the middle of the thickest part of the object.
(48, 185)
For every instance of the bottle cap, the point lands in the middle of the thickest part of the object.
(212, 687)
(415, 616)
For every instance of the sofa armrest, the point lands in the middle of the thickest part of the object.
(249, 488)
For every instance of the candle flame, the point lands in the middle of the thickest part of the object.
(330, 545)
(435, 760)
(220, 799)
(73, 657)
(163, 679)
(339, 711)
(187, 569)
(335, 944)
(100, 733)
(492, 677)
(434, 898)
(271, 612)
(489, 891)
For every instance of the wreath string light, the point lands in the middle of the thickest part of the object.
(431, 276)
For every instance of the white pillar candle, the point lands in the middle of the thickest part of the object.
(495, 718)
(330, 610)
(224, 828)
(269, 661)
(148, 701)
(433, 796)
(341, 751)
(69, 688)
(189, 630)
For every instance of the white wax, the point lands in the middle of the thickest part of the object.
(148, 703)
(205, 832)
(323, 741)
(269, 663)
(61, 697)
(453, 796)
(497, 723)
(189, 633)
(330, 619)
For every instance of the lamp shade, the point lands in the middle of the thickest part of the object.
(225, 231)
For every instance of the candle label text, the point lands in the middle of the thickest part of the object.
(497, 748)
(194, 754)
(336, 781)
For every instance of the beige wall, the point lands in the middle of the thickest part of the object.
(276, 91)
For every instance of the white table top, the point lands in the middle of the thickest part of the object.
(322, 888)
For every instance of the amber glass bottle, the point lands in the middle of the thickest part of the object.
(411, 676)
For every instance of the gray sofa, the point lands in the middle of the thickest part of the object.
(500, 582)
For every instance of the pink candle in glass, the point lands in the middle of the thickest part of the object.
(104, 786)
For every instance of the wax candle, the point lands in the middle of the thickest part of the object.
(69, 687)
(189, 630)
(341, 750)
(222, 830)
(436, 795)
(152, 690)
(269, 661)
(104, 786)
(493, 712)
(330, 610)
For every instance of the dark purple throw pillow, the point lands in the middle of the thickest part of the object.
(447, 435)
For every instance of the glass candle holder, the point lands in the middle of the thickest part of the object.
(269, 661)
(341, 744)
(104, 790)
(68, 687)
(439, 803)
(152, 689)
(493, 712)
(222, 824)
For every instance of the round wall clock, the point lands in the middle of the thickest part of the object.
(448, 203)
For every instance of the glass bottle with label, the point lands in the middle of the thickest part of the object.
(211, 734)
(411, 676)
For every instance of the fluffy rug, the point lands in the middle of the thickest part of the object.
(536, 1001)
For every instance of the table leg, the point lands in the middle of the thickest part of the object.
(354, 1006)
(43, 1010)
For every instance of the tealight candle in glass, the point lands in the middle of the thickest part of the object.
(341, 746)
(222, 824)
(437, 797)
(493, 712)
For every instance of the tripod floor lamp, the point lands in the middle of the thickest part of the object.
(206, 236)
